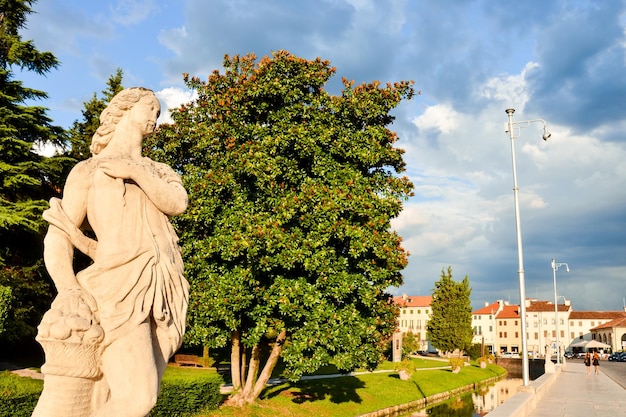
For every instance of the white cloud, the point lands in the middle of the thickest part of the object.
(171, 98)
(440, 117)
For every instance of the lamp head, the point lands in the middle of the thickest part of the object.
(546, 134)
(566, 268)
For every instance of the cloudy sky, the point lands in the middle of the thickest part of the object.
(563, 61)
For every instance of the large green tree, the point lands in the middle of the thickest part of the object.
(287, 239)
(450, 324)
(27, 179)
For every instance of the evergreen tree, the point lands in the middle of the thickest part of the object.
(27, 179)
(82, 132)
(450, 324)
(287, 239)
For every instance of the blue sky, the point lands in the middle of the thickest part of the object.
(561, 61)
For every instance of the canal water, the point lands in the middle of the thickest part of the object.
(472, 404)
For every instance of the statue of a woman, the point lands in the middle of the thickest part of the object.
(134, 290)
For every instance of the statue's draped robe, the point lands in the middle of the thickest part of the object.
(141, 277)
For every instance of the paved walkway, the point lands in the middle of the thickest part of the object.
(576, 394)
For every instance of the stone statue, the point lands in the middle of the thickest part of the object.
(115, 324)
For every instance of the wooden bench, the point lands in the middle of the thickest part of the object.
(191, 360)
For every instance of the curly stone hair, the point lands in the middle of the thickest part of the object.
(120, 104)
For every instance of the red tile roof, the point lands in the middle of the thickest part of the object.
(509, 312)
(413, 301)
(541, 306)
(595, 315)
(618, 322)
(489, 309)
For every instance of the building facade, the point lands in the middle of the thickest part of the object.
(414, 313)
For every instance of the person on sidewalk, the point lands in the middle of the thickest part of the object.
(588, 363)
(596, 362)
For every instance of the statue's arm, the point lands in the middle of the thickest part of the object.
(58, 244)
(165, 191)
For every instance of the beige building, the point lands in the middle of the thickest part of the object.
(484, 325)
(508, 338)
(413, 316)
(541, 325)
(612, 333)
(598, 325)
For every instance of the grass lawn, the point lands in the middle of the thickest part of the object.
(348, 396)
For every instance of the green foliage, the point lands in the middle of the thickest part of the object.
(5, 305)
(187, 395)
(27, 179)
(474, 351)
(456, 363)
(410, 344)
(291, 193)
(450, 324)
(18, 396)
(82, 132)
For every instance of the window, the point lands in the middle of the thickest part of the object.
(536, 336)
(536, 324)
(545, 322)
(505, 322)
(571, 335)
(516, 322)
(562, 333)
(580, 323)
(490, 329)
(545, 333)
(516, 335)
(553, 333)
(562, 322)
(499, 322)
(553, 321)
(490, 317)
(500, 334)
(411, 312)
(504, 334)
(593, 324)
(571, 323)
(419, 311)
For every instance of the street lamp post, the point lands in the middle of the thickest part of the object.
(510, 128)
(555, 267)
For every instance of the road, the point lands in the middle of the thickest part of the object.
(614, 370)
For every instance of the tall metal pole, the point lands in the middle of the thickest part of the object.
(520, 256)
(556, 313)
(555, 267)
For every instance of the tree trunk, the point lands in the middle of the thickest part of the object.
(235, 368)
(269, 366)
(254, 382)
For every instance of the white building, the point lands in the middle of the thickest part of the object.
(413, 316)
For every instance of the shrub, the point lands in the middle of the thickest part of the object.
(457, 363)
(185, 395)
(18, 395)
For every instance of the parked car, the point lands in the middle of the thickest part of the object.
(509, 355)
(568, 355)
(622, 357)
(580, 355)
(615, 356)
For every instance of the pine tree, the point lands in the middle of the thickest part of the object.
(450, 325)
(27, 179)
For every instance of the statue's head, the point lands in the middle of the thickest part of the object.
(118, 106)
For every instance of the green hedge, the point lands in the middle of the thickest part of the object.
(180, 395)
(18, 395)
(188, 395)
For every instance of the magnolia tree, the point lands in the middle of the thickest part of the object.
(287, 239)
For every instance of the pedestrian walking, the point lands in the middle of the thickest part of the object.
(588, 363)
(596, 362)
